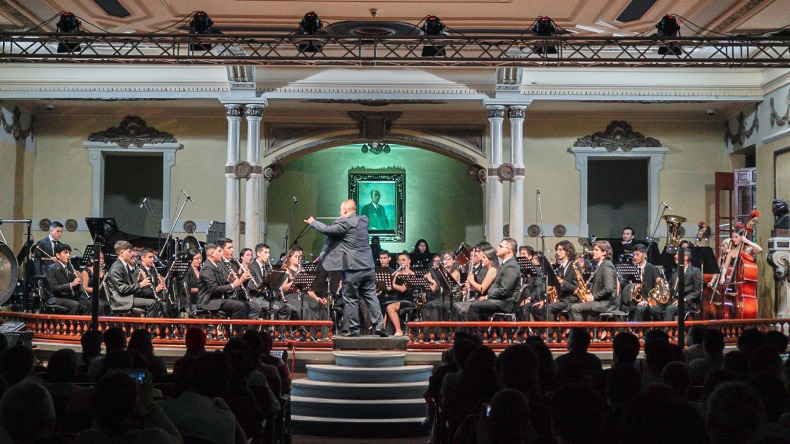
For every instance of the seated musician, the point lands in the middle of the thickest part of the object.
(650, 276)
(750, 249)
(601, 295)
(442, 298)
(265, 298)
(502, 293)
(402, 293)
(479, 280)
(64, 284)
(124, 281)
(306, 306)
(189, 282)
(87, 279)
(566, 276)
(234, 268)
(215, 290)
(692, 287)
(531, 290)
(421, 255)
(157, 287)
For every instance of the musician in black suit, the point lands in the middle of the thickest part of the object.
(692, 288)
(44, 250)
(64, 284)
(123, 282)
(214, 289)
(265, 298)
(502, 293)
(649, 274)
(601, 296)
(231, 265)
(566, 276)
(155, 291)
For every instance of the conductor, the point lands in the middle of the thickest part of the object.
(347, 250)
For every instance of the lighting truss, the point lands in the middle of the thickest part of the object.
(463, 51)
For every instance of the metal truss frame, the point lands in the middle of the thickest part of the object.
(333, 50)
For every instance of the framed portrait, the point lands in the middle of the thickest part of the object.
(381, 197)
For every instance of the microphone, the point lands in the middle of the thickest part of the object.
(666, 206)
(538, 191)
(295, 201)
(187, 195)
(142, 205)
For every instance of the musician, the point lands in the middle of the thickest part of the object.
(124, 281)
(245, 257)
(384, 259)
(749, 249)
(259, 270)
(191, 280)
(442, 298)
(628, 238)
(421, 254)
(158, 286)
(692, 287)
(232, 265)
(215, 290)
(601, 296)
(347, 249)
(87, 279)
(44, 250)
(650, 276)
(532, 291)
(502, 293)
(308, 307)
(566, 276)
(479, 280)
(64, 283)
(402, 292)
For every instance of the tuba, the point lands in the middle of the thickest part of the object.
(674, 232)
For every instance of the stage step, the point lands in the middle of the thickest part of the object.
(370, 342)
(364, 394)
(344, 390)
(336, 373)
(367, 359)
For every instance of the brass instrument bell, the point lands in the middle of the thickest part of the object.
(674, 231)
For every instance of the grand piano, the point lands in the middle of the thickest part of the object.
(105, 230)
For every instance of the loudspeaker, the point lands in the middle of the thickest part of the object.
(19, 338)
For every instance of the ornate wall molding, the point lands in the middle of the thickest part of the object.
(376, 102)
(742, 134)
(777, 118)
(14, 128)
(618, 135)
(740, 14)
(132, 131)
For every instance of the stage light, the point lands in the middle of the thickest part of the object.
(201, 23)
(68, 24)
(668, 27)
(544, 27)
(433, 26)
(311, 25)
(376, 147)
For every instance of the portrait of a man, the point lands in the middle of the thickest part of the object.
(375, 212)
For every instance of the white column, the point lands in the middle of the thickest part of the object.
(232, 227)
(496, 115)
(252, 208)
(516, 116)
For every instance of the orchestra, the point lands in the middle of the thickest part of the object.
(579, 287)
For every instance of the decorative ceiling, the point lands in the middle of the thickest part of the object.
(579, 17)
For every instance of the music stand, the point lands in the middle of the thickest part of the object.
(629, 272)
(383, 278)
(704, 259)
(310, 267)
(273, 280)
(527, 267)
(421, 271)
(178, 269)
(87, 256)
(414, 281)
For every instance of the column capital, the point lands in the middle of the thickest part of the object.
(495, 111)
(233, 110)
(516, 111)
(255, 109)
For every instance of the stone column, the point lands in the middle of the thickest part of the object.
(232, 226)
(495, 204)
(516, 116)
(252, 209)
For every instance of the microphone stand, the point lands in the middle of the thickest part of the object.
(288, 228)
(173, 227)
(150, 212)
(653, 234)
(541, 278)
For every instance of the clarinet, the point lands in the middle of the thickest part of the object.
(82, 286)
(236, 276)
(165, 294)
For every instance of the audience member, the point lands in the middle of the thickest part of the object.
(195, 341)
(750, 339)
(713, 345)
(91, 342)
(578, 343)
(277, 362)
(576, 404)
(476, 386)
(625, 350)
(737, 361)
(660, 416)
(547, 373)
(695, 340)
(114, 339)
(676, 375)
(734, 415)
(26, 413)
(17, 364)
(142, 342)
(777, 339)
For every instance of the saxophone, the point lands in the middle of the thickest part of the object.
(581, 286)
(636, 293)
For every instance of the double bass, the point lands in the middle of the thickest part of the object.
(738, 289)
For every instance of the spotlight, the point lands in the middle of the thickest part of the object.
(311, 25)
(201, 23)
(376, 147)
(668, 27)
(544, 27)
(68, 24)
(433, 26)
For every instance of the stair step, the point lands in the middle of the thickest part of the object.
(369, 359)
(344, 390)
(358, 427)
(364, 408)
(336, 373)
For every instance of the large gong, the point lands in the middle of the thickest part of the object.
(9, 273)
